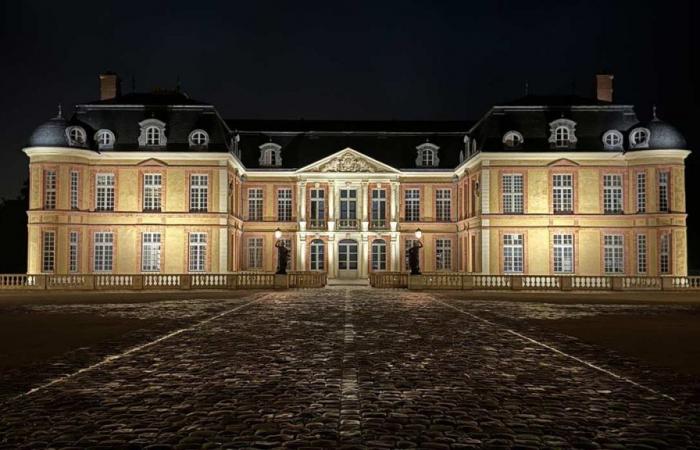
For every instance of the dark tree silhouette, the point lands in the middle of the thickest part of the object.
(13, 229)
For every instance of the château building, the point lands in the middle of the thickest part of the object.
(159, 182)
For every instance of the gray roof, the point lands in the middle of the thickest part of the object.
(52, 133)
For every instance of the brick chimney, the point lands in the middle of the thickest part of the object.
(604, 87)
(110, 86)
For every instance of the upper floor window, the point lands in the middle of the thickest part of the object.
(412, 205)
(562, 193)
(105, 139)
(562, 133)
(612, 140)
(663, 191)
(427, 155)
(152, 188)
(612, 194)
(641, 192)
(443, 204)
(76, 136)
(513, 139)
(104, 195)
(49, 189)
(270, 155)
(152, 133)
(199, 193)
(255, 204)
(318, 208)
(512, 185)
(639, 138)
(199, 139)
(74, 189)
(284, 204)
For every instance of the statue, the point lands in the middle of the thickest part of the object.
(282, 257)
(413, 257)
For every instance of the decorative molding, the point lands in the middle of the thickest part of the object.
(346, 162)
(616, 139)
(145, 125)
(566, 123)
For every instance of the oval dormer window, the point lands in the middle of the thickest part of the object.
(76, 136)
(513, 139)
(104, 139)
(199, 139)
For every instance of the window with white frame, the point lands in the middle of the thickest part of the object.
(427, 155)
(641, 192)
(198, 252)
(443, 254)
(284, 204)
(153, 136)
(255, 253)
(348, 206)
(612, 194)
(74, 189)
(317, 255)
(199, 192)
(76, 136)
(270, 155)
(288, 245)
(152, 189)
(641, 253)
(379, 254)
(513, 139)
(563, 253)
(104, 195)
(665, 254)
(150, 252)
(198, 139)
(512, 193)
(378, 208)
(561, 138)
(409, 243)
(412, 205)
(562, 193)
(612, 140)
(48, 251)
(73, 248)
(562, 133)
(513, 253)
(663, 191)
(443, 205)
(49, 189)
(103, 252)
(105, 139)
(639, 138)
(152, 133)
(318, 208)
(255, 204)
(613, 253)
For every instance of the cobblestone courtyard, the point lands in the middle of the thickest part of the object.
(352, 369)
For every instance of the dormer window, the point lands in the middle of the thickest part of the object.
(639, 138)
(270, 155)
(562, 133)
(199, 139)
(105, 139)
(513, 139)
(427, 155)
(152, 133)
(612, 140)
(76, 136)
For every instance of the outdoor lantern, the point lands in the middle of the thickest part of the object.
(419, 233)
(278, 234)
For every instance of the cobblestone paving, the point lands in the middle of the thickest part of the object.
(351, 369)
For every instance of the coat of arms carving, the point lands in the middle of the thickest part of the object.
(346, 163)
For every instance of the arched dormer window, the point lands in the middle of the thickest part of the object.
(152, 133)
(270, 155)
(562, 133)
(612, 140)
(639, 138)
(427, 155)
(198, 139)
(513, 139)
(76, 136)
(104, 139)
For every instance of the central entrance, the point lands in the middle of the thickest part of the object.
(347, 259)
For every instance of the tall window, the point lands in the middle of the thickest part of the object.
(427, 158)
(513, 253)
(104, 197)
(318, 208)
(663, 191)
(641, 192)
(103, 251)
(612, 194)
(443, 205)
(74, 189)
(412, 205)
(613, 253)
(512, 193)
(153, 136)
(49, 189)
(284, 204)
(255, 253)
(152, 188)
(378, 208)
(563, 193)
(641, 253)
(198, 252)
(665, 254)
(73, 239)
(348, 208)
(409, 244)
(255, 204)
(562, 136)
(150, 252)
(443, 254)
(48, 252)
(563, 248)
(199, 193)
(317, 255)
(379, 254)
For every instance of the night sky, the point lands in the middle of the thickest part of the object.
(348, 60)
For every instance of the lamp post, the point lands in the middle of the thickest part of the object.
(282, 253)
(413, 253)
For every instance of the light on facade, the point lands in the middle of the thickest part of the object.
(419, 233)
(278, 234)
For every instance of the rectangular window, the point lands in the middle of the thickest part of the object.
(641, 253)
(199, 193)
(443, 205)
(104, 198)
(378, 208)
(318, 208)
(284, 205)
(49, 189)
(443, 254)
(513, 253)
(409, 244)
(512, 193)
(48, 252)
(198, 252)
(317, 255)
(412, 205)
(613, 253)
(103, 252)
(150, 252)
(255, 204)
(152, 188)
(563, 193)
(663, 192)
(73, 239)
(255, 253)
(665, 254)
(563, 249)
(641, 192)
(74, 189)
(379, 254)
(612, 194)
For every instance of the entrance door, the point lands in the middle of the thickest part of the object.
(347, 259)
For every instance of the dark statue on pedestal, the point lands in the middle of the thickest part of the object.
(413, 257)
(282, 257)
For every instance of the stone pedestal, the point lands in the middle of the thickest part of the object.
(281, 281)
(416, 282)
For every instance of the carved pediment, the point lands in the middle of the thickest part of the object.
(346, 162)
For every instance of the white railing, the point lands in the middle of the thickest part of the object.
(385, 280)
(109, 281)
(161, 281)
(255, 280)
(302, 280)
(210, 281)
(21, 281)
(641, 283)
(491, 281)
(541, 282)
(588, 283)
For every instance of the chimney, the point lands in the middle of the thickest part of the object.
(604, 87)
(110, 86)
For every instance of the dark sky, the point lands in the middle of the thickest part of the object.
(346, 60)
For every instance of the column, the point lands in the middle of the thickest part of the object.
(395, 261)
(301, 252)
(301, 201)
(364, 214)
(363, 256)
(331, 201)
(331, 269)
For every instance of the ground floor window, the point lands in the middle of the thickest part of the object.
(513, 253)
(150, 252)
(317, 255)
(613, 253)
(443, 254)
(379, 254)
(641, 253)
(255, 253)
(103, 252)
(73, 251)
(48, 252)
(563, 248)
(665, 254)
(198, 252)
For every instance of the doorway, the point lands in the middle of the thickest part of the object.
(347, 259)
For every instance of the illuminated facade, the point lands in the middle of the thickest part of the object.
(544, 185)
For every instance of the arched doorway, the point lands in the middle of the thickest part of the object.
(347, 259)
